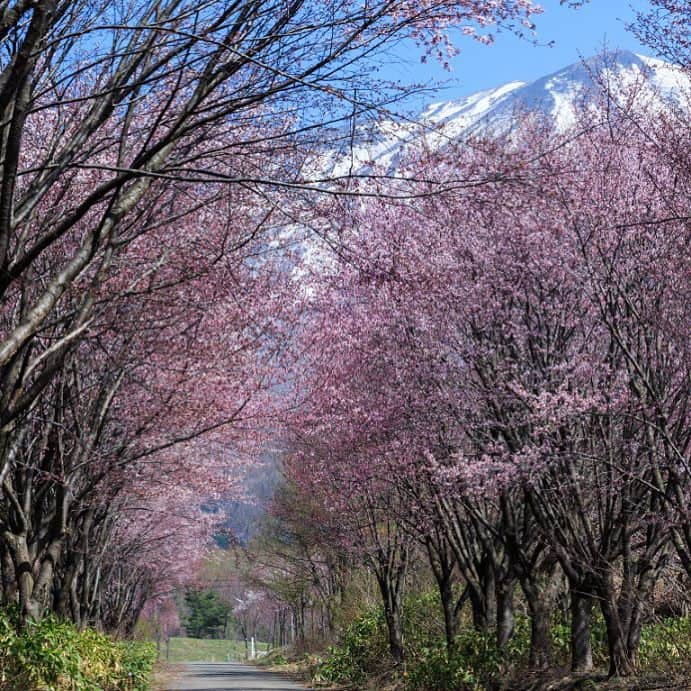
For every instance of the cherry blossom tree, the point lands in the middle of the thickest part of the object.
(146, 148)
(665, 27)
(119, 101)
(515, 345)
(170, 352)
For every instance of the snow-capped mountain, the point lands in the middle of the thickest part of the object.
(555, 95)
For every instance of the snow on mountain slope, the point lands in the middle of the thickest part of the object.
(555, 95)
(558, 95)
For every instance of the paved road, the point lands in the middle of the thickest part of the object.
(230, 675)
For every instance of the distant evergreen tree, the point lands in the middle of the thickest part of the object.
(207, 615)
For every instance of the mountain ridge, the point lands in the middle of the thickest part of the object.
(556, 95)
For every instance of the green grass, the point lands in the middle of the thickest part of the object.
(206, 650)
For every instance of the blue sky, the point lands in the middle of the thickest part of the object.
(574, 33)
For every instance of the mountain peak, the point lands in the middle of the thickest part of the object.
(556, 96)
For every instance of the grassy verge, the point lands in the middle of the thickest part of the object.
(206, 650)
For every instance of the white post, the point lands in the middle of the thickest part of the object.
(252, 649)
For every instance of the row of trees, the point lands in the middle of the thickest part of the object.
(151, 153)
(498, 376)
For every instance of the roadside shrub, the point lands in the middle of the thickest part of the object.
(423, 620)
(666, 646)
(473, 664)
(476, 664)
(138, 658)
(561, 639)
(361, 651)
(272, 657)
(52, 655)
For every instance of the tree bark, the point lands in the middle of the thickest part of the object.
(483, 598)
(505, 618)
(541, 592)
(9, 580)
(391, 597)
(395, 628)
(620, 664)
(581, 650)
(442, 563)
(450, 613)
(540, 657)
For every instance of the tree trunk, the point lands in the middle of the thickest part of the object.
(450, 616)
(634, 606)
(442, 563)
(620, 664)
(540, 606)
(540, 657)
(581, 650)
(505, 618)
(9, 579)
(395, 628)
(452, 608)
(483, 599)
(391, 597)
(29, 608)
(633, 639)
(541, 589)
